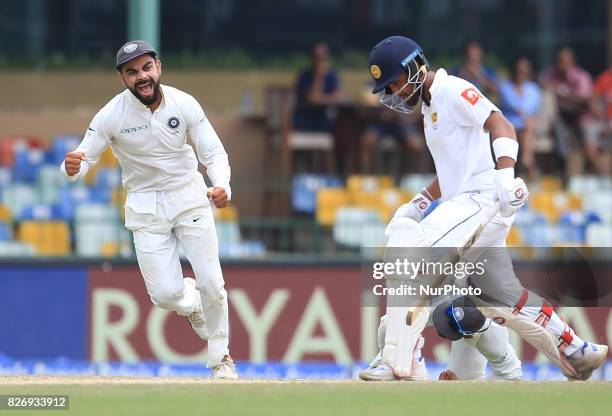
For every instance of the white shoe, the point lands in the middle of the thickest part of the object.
(226, 370)
(378, 373)
(196, 318)
(588, 358)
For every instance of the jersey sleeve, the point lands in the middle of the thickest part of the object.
(467, 105)
(95, 141)
(208, 146)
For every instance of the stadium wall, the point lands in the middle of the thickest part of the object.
(279, 312)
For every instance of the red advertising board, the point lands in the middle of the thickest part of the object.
(289, 314)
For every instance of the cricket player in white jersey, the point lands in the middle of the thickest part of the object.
(147, 126)
(460, 126)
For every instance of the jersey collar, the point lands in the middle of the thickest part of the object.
(438, 80)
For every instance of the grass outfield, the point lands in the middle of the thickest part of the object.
(177, 396)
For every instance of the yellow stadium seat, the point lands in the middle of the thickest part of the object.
(5, 214)
(514, 238)
(328, 202)
(229, 213)
(384, 201)
(550, 184)
(118, 197)
(544, 203)
(109, 249)
(49, 238)
(359, 183)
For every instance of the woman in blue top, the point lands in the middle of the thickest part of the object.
(520, 101)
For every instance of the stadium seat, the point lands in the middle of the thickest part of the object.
(6, 232)
(5, 214)
(229, 213)
(414, 183)
(50, 181)
(101, 238)
(328, 201)
(599, 235)
(601, 203)
(304, 190)
(40, 212)
(514, 238)
(16, 249)
(27, 162)
(384, 201)
(60, 145)
(228, 235)
(359, 183)
(49, 238)
(356, 227)
(5, 177)
(18, 196)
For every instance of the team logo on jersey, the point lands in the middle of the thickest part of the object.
(434, 117)
(471, 95)
(173, 122)
(375, 71)
(130, 48)
(459, 314)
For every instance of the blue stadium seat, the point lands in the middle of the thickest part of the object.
(60, 146)
(40, 212)
(304, 190)
(6, 233)
(27, 163)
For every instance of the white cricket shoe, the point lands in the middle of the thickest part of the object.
(196, 318)
(380, 372)
(226, 370)
(588, 358)
(383, 372)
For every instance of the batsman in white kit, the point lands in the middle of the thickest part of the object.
(479, 198)
(168, 205)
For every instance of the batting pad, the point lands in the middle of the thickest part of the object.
(533, 333)
(404, 323)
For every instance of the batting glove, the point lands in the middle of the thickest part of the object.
(413, 209)
(512, 193)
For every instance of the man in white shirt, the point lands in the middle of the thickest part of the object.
(460, 125)
(168, 205)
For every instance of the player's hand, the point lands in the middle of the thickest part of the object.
(218, 196)
(413, 209)
(73, 162)
(512, 193)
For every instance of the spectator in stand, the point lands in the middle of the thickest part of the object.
(572, 87)
(317, 89)
(406, 131)
(520, 101)
(475, 71)
(599, 130)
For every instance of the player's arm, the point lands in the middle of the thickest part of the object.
(511, 192)
(96, 140)
(211, 154)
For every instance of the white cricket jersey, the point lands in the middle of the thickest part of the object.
(152, 147)
(455, 135)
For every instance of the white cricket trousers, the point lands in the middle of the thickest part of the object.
(162, 222)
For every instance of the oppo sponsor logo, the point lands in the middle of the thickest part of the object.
(134, 129)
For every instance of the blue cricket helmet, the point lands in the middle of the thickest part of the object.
(391, 57)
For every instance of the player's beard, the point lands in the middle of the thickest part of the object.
(147, 100)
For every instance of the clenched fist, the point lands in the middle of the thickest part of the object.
(218, 196)
(73, 162)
